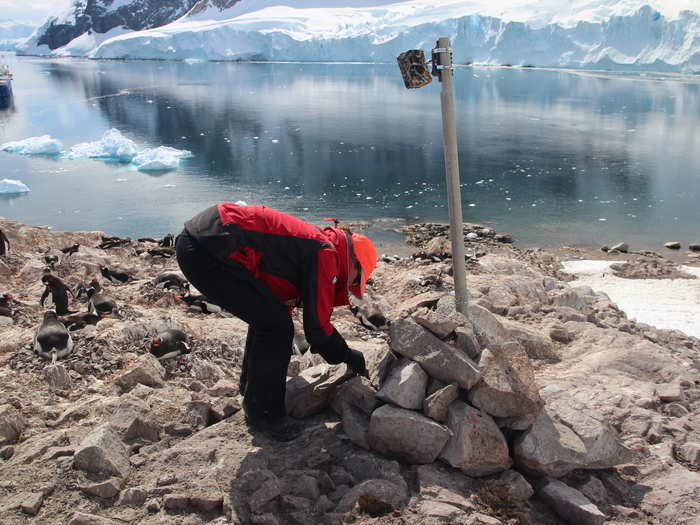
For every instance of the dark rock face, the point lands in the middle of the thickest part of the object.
(98, 16)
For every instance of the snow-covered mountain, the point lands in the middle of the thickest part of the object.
(640, 34)
(91, 22)
(12, 33)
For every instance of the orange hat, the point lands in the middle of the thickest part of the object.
(366, 255)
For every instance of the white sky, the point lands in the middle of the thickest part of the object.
(34, 11)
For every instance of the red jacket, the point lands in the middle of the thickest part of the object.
(294, 259)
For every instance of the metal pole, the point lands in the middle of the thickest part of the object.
(454, 198)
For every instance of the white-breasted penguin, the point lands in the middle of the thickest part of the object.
(52, 340)
(170, 343)
(100, 304)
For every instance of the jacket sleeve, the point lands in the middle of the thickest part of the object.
(319, 294)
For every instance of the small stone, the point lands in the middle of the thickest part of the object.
(102, 452)
(153, 506)
(81, 518)
(32, 503)
(357, 392)
(476, 446)
(176, 502)
(310, 392)
(517, 485)
(197, 386)
(12, 424)
(355, 425)
(560, 334)
(676, 410)
(694, 247)
(570, 504)
(691, 453)
(269, 490)
(405, 386)
(134, 497)
(104, 489)
(673, 245)
(438, 324)
(207, 502)
(436, 405)
(146, 371)
(466, 340)
(375, 490)
(57, 377)
(405, 435)
(621, 247)
(477, 518)
(668, 392)
(224, 388)
(595, 491)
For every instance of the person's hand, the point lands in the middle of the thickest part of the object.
(356, 363)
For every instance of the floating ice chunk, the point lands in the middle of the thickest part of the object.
(113, 145)
(161, 158)
(44, 145)
(8, 186)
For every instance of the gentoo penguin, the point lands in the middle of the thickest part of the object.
(70, 250)
(52, 341)
(170, 280)
(112, 242)
(114, 276)
(79, 321)
(168, 241)
(5, 308)
(170, 343)
(147, 239)
(4, 241)
(369, 315)
(200, 302)
(100, 304)
(59, 293)
(162, 252)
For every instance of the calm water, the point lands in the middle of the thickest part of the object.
(551, 156)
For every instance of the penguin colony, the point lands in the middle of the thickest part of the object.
(53, 341)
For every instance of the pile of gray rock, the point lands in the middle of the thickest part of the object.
(438, 393)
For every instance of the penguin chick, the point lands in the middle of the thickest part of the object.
(79, 321)
(52, 340)
(170, 343)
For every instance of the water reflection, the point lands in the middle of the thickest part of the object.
(588, 156)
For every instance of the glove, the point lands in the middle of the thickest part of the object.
(356, 363)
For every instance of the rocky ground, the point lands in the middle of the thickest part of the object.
(546, 406)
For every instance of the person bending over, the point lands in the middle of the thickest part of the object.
(259, 263)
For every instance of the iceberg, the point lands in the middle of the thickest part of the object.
(112, 146)
(162, 158)
(44, 145)
(8, 186)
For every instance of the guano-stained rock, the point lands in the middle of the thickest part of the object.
(438, 359)
(477, 446)
(406, 435)
(102, 452)
(405, 385)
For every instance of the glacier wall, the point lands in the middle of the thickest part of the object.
(643, 40)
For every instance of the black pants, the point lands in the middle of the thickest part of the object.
(270, 330)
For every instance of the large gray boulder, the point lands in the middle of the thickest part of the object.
(549, 448)
(440, 360)
(357, 392)
(406, 435)
(570, 504)
(378, 359)
(147, 370)
(603, 447)
(102, 452)
(507, 389)
(405, 386)
(477, 446)
(310, 392)
(437, 404)
(12, 424)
